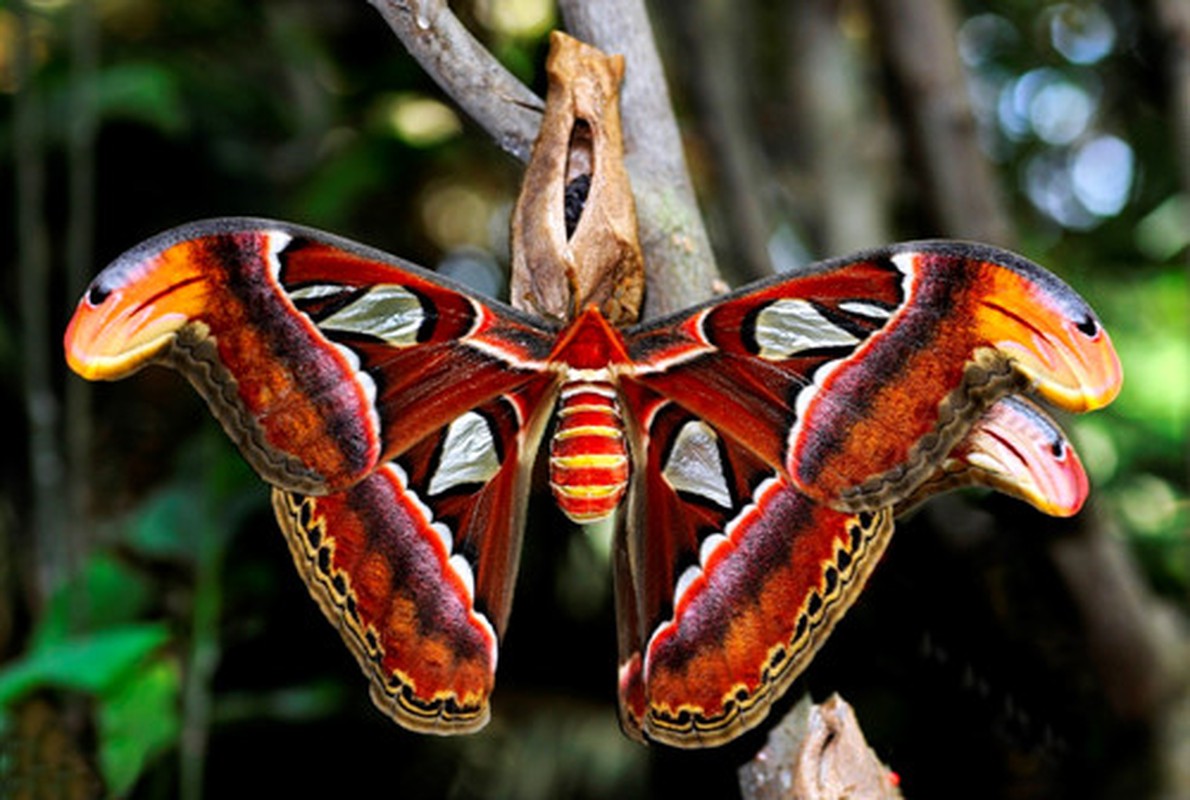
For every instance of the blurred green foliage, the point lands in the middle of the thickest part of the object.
(102, 634)
(117, 659)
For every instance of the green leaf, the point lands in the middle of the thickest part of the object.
(343, 181)
(87, 663)
(145, 92)
(168, 523)
(105, 593)
(138, 719)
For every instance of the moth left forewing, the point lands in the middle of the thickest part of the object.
(732, 577)
(416, 564)
(857, 377)
(321, 358)
(434, 350)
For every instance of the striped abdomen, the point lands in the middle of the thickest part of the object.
(588, 456)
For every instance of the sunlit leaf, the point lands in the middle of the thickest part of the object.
(138, 719)
(88, 663)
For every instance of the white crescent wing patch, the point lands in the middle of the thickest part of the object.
(786, 327)
(694, 465)
(469, 454)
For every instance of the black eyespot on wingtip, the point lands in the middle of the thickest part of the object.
(1089, 327)
(97, 294)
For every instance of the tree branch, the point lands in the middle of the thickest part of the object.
(844, 143)
(446, 50)
(1173, 20)
(713, 34)
(681, 268)
(33, 264)
(80, 236)
(817, 752)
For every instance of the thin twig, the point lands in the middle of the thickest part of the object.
(446, 50)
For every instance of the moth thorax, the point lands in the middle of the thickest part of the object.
(588, 456)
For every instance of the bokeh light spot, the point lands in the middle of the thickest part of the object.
(1082, 32)
(1101, 174)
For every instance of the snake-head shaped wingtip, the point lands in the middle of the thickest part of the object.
(1072, 365)
(116, 329)
(1051, 336)
(1018, 449)
(135, 307)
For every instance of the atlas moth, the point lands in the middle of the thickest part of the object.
(753, 450)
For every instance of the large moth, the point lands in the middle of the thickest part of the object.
(754, 450)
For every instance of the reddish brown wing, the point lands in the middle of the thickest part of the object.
(728, 579)
(397, 415)
(416, 563)
(771, 433)
(1016, 448)
(775, 430)
(856, 378)
(322, 358)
